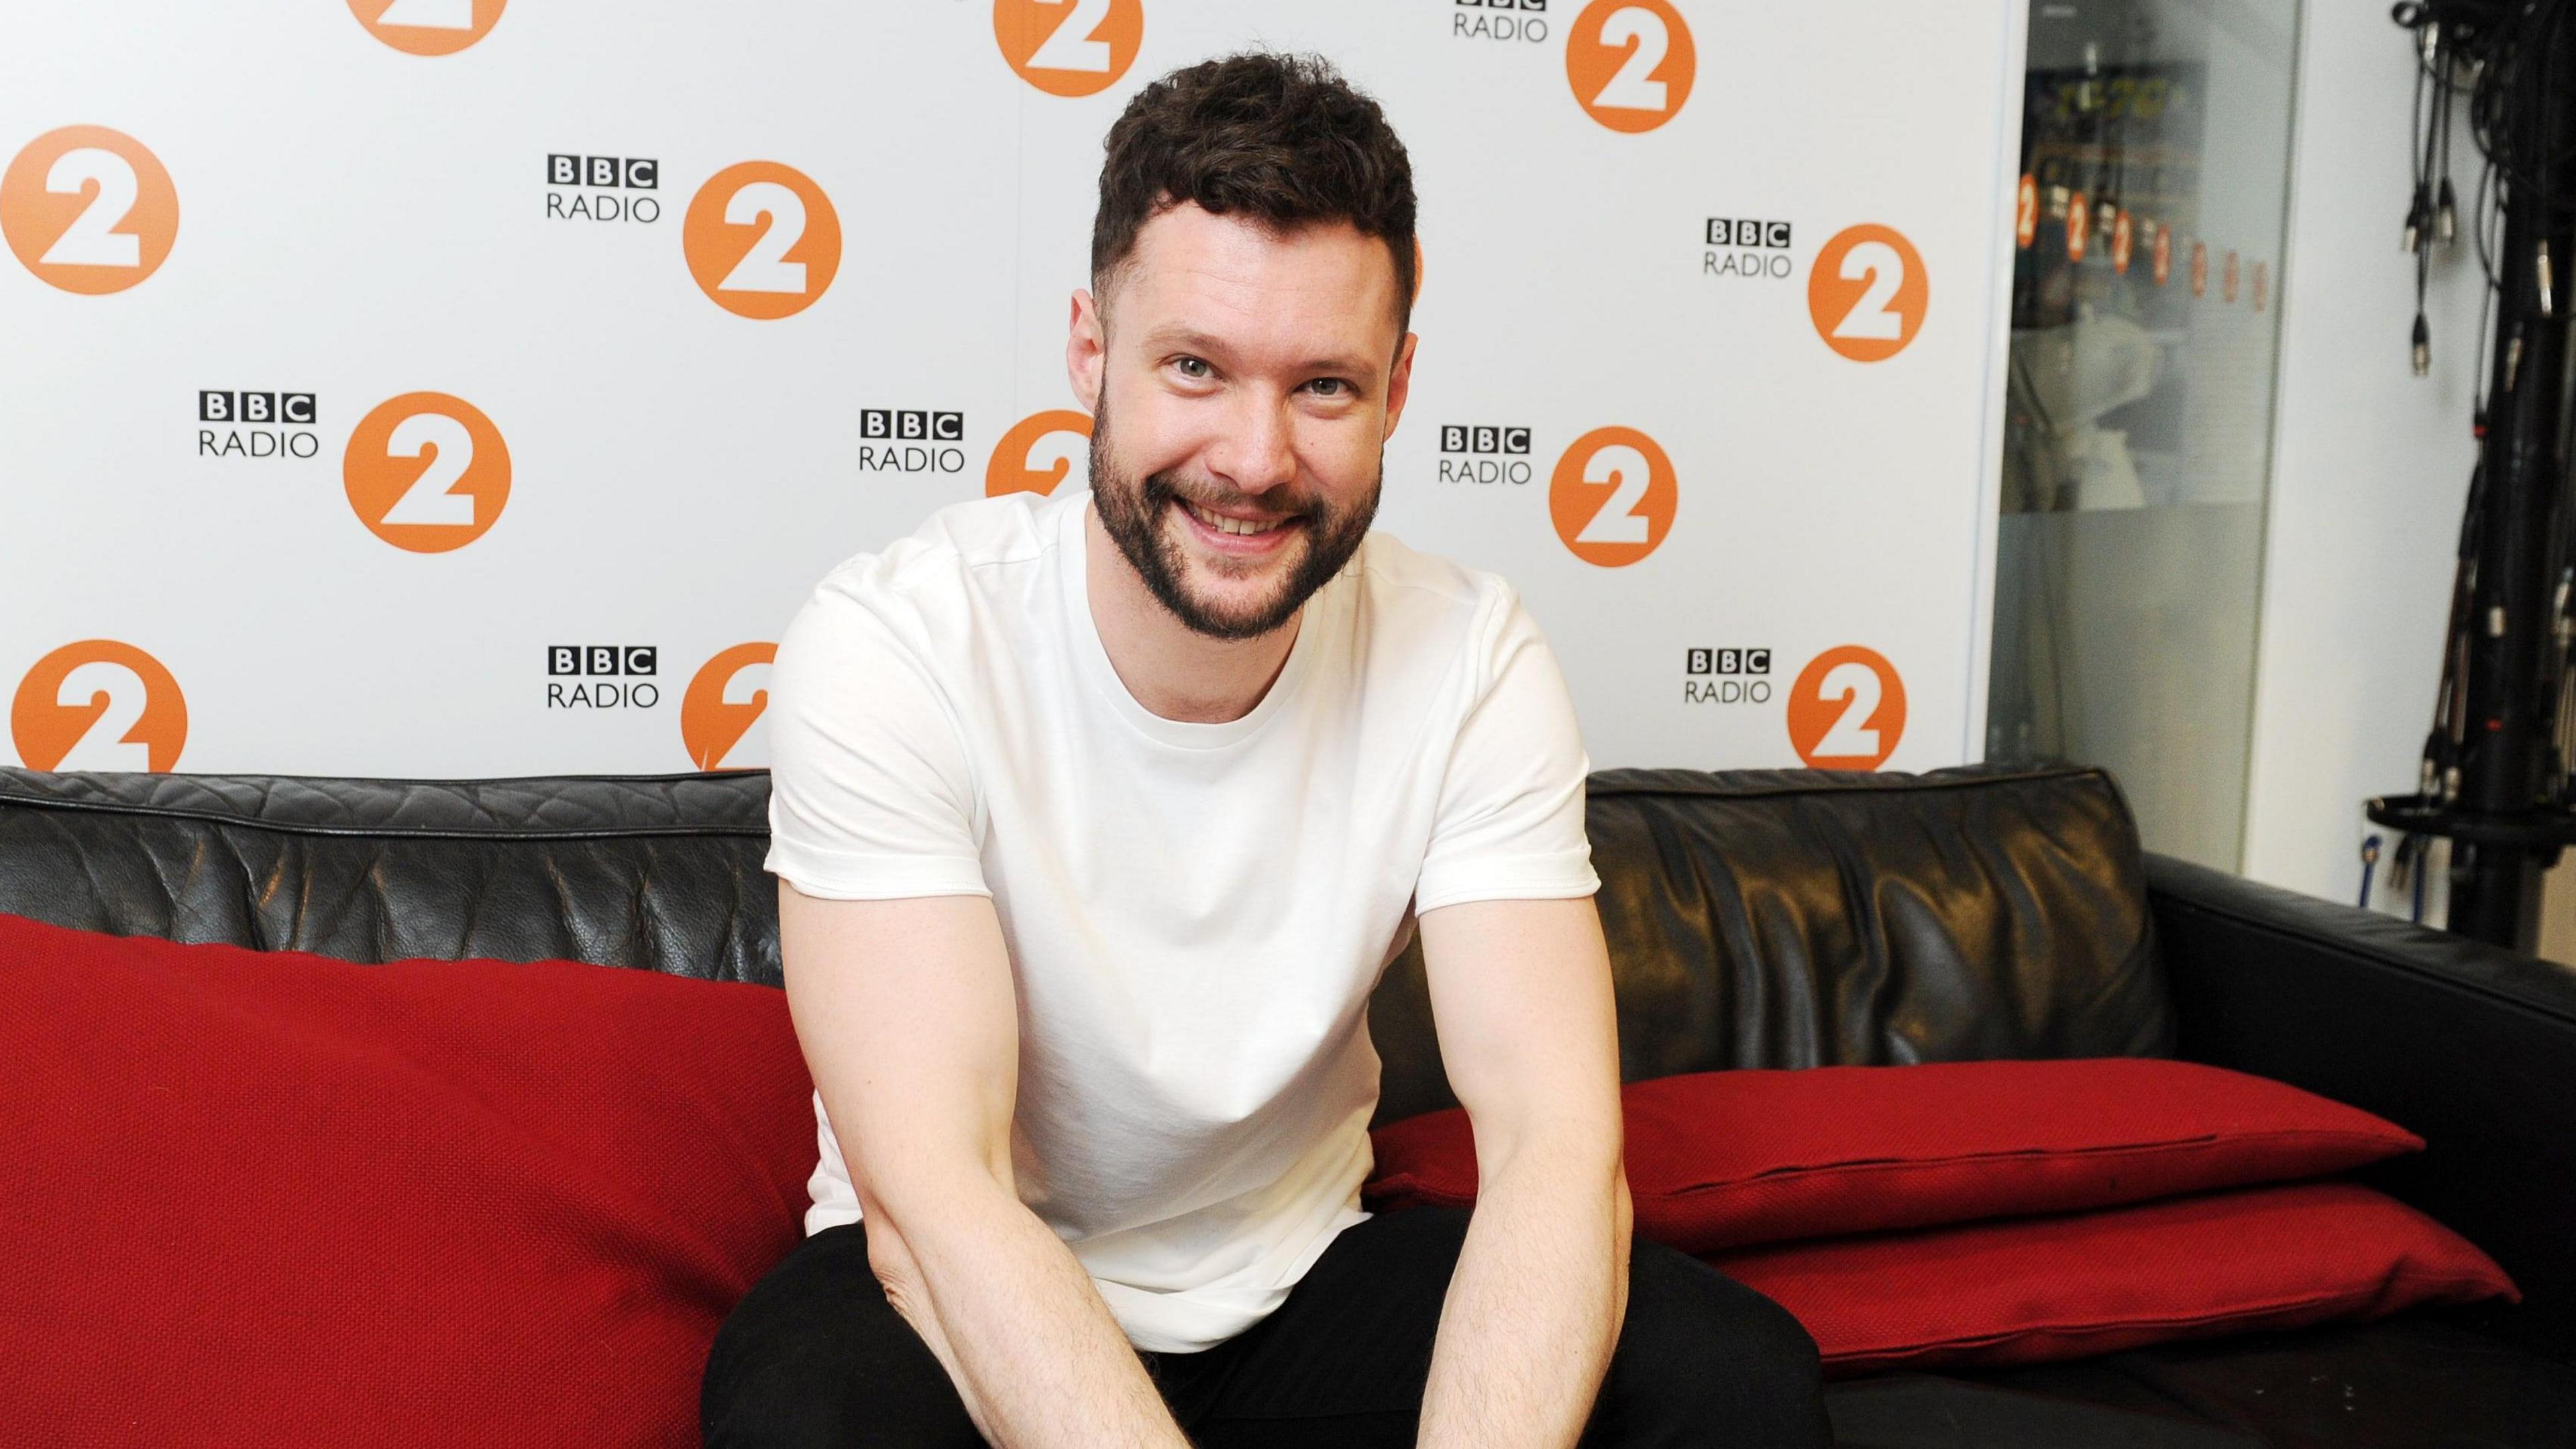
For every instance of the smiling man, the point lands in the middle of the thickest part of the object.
(1097, 818)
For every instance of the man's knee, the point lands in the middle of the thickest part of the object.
(780, 1387)
(1702, 1355)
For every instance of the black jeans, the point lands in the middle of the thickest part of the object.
(815, 1356)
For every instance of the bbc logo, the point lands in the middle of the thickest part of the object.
(1464, 439)
(1730, 661)
(1730, 232)
(293, 408)
(1532, 5)
(602, 659)
(918, 427)
(633, 173)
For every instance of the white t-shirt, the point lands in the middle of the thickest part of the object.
(1196, 914)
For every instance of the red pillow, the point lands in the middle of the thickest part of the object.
(274, 1198)
(2026, 1290)
(1723, 1159)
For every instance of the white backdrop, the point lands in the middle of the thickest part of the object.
(299, 262)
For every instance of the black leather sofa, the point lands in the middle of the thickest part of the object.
(1757, 919)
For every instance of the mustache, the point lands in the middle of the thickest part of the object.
(1168, 486)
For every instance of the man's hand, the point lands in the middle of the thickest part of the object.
(1521, 995)
(907, 1017)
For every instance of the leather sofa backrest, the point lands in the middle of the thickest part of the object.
(659, 871)
(1799, 918)
(1755, 918)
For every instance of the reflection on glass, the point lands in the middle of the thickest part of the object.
(2155, 151)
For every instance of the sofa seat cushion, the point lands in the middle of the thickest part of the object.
(1724, 1159)
(273, 1197)
(2432, 1376)
(2069, 1285)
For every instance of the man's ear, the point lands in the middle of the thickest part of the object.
(1086, 350)
(1399, 383)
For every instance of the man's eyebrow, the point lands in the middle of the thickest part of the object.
(1191, 340)
(1188, 340)
(1353, 366)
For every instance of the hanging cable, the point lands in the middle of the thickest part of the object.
(2501, 752)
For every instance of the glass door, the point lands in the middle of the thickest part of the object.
(2138, 413)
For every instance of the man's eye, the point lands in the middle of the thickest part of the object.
(1191, 367)
(1330, 386)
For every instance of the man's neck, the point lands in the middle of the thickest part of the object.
(1173, 670)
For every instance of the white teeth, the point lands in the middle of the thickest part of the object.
(1223, 524)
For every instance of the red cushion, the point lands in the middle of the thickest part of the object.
(2026, 1290)
(273, 1198)
(1723, 1159)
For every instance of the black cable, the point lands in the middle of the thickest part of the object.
(2480, 224)
(2446, 209)
(2415, 154)
(2422, 128)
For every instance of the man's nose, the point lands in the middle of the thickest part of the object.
(1255, 454)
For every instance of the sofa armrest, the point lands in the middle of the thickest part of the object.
(2467, 1045)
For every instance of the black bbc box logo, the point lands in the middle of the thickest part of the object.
(1730, 661)
(631, 173)
(602, 659)
(1732, 232)
(295, 409)
(1462, 438)
(1536, 5)
(910, 426)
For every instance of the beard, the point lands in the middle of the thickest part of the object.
(1133, 510)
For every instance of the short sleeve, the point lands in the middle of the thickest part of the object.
(1509, 825)
(871, 789)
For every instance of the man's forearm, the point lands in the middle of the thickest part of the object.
(1023, 1333)
(1534, 1303)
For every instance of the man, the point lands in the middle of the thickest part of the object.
(1098, 816)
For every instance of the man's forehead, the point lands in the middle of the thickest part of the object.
(1226, 274)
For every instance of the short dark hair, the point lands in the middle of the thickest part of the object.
(1282, 139)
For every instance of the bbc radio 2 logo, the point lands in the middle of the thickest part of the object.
(603, 188)
(256, 424)
(1039, 453)
(1630, 63)
(98, 704)
(725, 698)
(428, 27)
(1741, 247)
(907, 440)
(1847, 710)
(426, 472)
(1727, 676)
(1613, 496)
(603, 676)
(1522, 20)
(1069, 47)
(1868, 292)
(88, 210)
(1480, 454)
(762, 240)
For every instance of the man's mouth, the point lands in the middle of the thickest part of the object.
(1234, 527)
